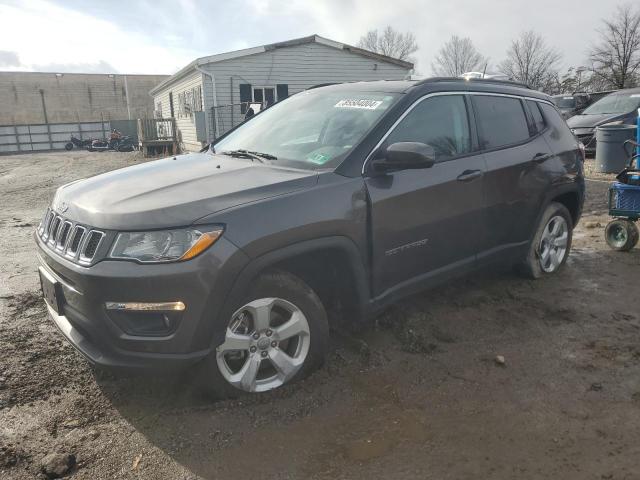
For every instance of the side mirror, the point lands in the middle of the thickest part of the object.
(405, 156)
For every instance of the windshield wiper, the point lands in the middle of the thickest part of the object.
(249, 154)
(266, 156)
(242, 154)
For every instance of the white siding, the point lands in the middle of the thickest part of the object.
(186, 124)
(299, 66)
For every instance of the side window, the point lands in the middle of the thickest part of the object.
(538, 120)
(501, 121)
(441, 122)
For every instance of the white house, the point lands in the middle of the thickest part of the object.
(210, 95)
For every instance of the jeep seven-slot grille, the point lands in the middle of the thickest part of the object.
(78, 243)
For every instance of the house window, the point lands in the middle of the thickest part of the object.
(265, 95)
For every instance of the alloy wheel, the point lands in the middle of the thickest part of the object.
(553, 244)
(266, 344)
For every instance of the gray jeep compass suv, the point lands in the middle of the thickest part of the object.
(228, 260)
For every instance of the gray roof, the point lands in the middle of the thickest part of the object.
(265, 48)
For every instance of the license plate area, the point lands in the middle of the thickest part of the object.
(51, 290)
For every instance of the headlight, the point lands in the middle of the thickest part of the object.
(164, 245)
(617, 122)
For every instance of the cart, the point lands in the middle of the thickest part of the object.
(624, 204)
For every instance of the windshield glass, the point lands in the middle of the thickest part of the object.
(565, 102)
(314, 129)
(616, 103)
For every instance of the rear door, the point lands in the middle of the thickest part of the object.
(428, 221)
(515, 180)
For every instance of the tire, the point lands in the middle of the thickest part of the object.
(621, 234)
(68, 146)
(548, 252)
(280, 293)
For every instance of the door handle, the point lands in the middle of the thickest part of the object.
(469, 175)
(540, 157)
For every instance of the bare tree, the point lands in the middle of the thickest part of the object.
(456, 57)
(390, 43)
(616, 58)
(529, 60)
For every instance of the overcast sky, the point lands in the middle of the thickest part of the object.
(161, 36)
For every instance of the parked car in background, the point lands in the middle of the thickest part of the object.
(595, 96)
(228, 261)
(618, 108)
(570, 105)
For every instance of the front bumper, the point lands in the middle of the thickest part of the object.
(202, 283)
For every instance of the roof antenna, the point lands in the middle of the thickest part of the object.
(484, 72)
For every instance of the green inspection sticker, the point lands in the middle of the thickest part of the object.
(319, 158)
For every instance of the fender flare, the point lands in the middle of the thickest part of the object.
(554, 193)
(263, 262)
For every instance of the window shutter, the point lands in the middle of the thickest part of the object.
(245, 96)
(283, 91)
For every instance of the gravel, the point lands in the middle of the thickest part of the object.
(414, 394)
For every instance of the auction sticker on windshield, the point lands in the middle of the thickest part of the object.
(364, 104)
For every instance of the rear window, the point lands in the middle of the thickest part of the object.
(565, 102)
(538, 120)
(501, 121)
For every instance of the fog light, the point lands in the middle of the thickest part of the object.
(146, 306)
(146, 323)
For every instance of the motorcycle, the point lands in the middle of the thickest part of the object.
(117, 142)
(78, 143)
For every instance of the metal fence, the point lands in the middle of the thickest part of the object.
(223, 118)
(47, 136)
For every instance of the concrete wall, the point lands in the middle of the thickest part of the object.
(74, 97)
(185, 122)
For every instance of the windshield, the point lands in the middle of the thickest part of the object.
(616, 103)
(314, 129)
(565, 102)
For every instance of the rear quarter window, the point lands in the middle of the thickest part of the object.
(558, 129)
(501, 121)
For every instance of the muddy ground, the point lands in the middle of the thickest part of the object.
(417, 394)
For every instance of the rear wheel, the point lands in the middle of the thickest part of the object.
(279, 334)
(621, 234)
(551, 244)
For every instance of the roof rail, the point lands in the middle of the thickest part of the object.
(324, 85)
(474, 80)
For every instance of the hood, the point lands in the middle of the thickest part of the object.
(174, 191)
(592, 121)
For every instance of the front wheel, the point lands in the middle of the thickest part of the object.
(621, 234)
(551, 243)
(278, 335)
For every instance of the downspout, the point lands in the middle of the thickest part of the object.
(215, 100)
(126, 92)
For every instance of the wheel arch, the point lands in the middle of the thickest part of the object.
(571, 200)
(327, 265)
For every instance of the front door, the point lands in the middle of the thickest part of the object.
(429, 221)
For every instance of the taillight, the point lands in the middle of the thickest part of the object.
(583, 151)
